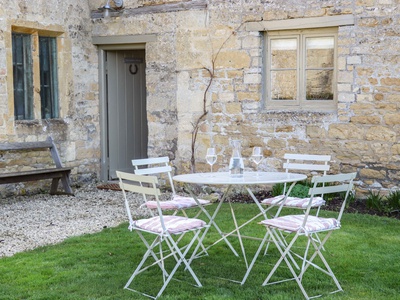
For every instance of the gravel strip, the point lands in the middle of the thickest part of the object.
(28, 222)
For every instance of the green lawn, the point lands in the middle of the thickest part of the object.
(364, 254)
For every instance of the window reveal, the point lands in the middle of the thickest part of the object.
(301, 69)
(23, 72)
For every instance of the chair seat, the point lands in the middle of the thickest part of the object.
(293, 223)
(294, 202)
(173, 224)
(177, 202)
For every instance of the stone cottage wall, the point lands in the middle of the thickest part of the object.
(362, 136)
(194, 38)
(76, 132)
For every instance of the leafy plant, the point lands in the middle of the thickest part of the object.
(277, 189)
(300, 191)
(375, 201)
(393, 200)
(350, 199)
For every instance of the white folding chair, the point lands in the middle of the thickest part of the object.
(300, 162)
(160, 166)
(160, 232)
(306, 226)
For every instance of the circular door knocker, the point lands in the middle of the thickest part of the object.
(135, 71)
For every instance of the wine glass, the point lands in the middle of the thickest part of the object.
(257, 156)
(211, 157)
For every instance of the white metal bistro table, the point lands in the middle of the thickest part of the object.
(225, 179)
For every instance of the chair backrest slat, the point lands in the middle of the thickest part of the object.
(314, 157)
(305, 166)
(309, 162)
(150, 161)
(153, 170)
(329, 189)
(140, 189)
(154, 165)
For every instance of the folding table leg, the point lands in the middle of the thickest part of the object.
(254, 259)
(211, 223)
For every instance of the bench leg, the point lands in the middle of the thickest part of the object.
(54, 186)
(66, 184)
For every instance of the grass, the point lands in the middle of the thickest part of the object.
(364, 255)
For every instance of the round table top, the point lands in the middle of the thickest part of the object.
(223, 178)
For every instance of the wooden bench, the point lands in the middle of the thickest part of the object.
(57, 173)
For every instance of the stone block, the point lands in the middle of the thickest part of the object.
(286, 128)
(233, 59)
(390, 81)
(381, 133)
(353, 60)
(346, 97)
(313, 131)
(345, 77)
(252, 79)
(366, 119)
(372, 174)
(393, 98)
(346, 132)
(392, 119)
(248, 96)
(233, 108)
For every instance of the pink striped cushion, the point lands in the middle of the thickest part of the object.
(294, 202)
(173, 224)
(177, 202)
(294, 222)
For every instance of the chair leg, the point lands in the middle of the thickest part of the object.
(306, 263)
(176, 252)
(328, 271)
(284, 251)
(139, 269)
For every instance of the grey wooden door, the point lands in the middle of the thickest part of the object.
(126, 109)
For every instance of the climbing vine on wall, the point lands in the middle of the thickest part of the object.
(201, 119)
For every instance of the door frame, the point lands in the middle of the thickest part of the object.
(105, 43)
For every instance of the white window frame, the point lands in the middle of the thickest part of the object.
(266, 27)
(300, 102)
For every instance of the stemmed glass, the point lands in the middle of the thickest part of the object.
(257, 156)
(211, 157)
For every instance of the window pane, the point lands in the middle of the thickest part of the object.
(22, 76)
(320, 52)
(283, 85)
(48, 77)
(283, 53)
(319, 85)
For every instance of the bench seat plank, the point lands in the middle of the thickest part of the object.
(31, 175)
(26, 146)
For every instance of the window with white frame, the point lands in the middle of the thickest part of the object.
(301, 69)
(24, 72)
